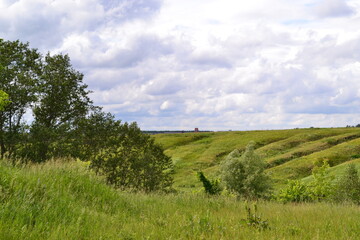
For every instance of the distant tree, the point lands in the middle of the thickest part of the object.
(134, 161)
(348, 186)
(244, 174)
(20, 68)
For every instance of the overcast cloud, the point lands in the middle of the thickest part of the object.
(211, 64)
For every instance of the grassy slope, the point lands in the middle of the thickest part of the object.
(65, 201)
(290, 153)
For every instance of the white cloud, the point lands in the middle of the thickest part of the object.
(211, 64)
(334, 8)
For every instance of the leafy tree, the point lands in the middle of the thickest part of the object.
(244, 174)
(211, 187)
(20, 67)
(96, 131)
(348, 186)
(134, 161)
(63, 99)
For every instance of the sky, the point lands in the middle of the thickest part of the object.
(212, 64)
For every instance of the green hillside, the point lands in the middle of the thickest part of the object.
(291, 154)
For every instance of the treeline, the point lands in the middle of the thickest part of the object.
(66, 123)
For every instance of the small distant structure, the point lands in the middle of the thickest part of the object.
(196, 130)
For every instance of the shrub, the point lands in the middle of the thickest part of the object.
(134, 162)
(295, 191)
(254, 219)
(244, 174)
(321, 188)
(212, 187)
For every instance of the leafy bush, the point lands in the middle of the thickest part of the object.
(212, 187)
(134, 161)
(295, 191)
(320, 189)
(244, 174)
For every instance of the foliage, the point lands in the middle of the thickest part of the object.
(212, 187)
(244, 174)
(134, 161)
(254, 219)
(66, 124)
(319, 189)
(20, 69)
(97, 131)
(63, 99)
(4, 100)
(295, 191)
(348, 186)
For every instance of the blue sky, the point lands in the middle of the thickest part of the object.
(212, 64)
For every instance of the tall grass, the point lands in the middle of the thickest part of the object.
(63, 200)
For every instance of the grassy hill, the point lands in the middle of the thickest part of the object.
(64, 200)
(291, 154)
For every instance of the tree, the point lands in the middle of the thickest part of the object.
(20, 67)
(97, 131)
(134, 161)
(62, 100)
(244, 174)
(348, 186)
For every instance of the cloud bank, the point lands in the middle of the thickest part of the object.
(215, 65)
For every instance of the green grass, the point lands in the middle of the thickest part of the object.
(291, 154)
(63, 200)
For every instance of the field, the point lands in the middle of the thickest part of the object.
(64, 200)
(291, 154)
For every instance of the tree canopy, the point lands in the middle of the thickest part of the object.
(67, 124)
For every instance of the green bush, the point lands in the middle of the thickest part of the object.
(212, 187)
(295, 191)
(134, 161)
(320, 189)
(244, 174)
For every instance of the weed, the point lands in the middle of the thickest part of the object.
(254, 219)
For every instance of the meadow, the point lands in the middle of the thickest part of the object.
(64, 200)
(290, 154)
